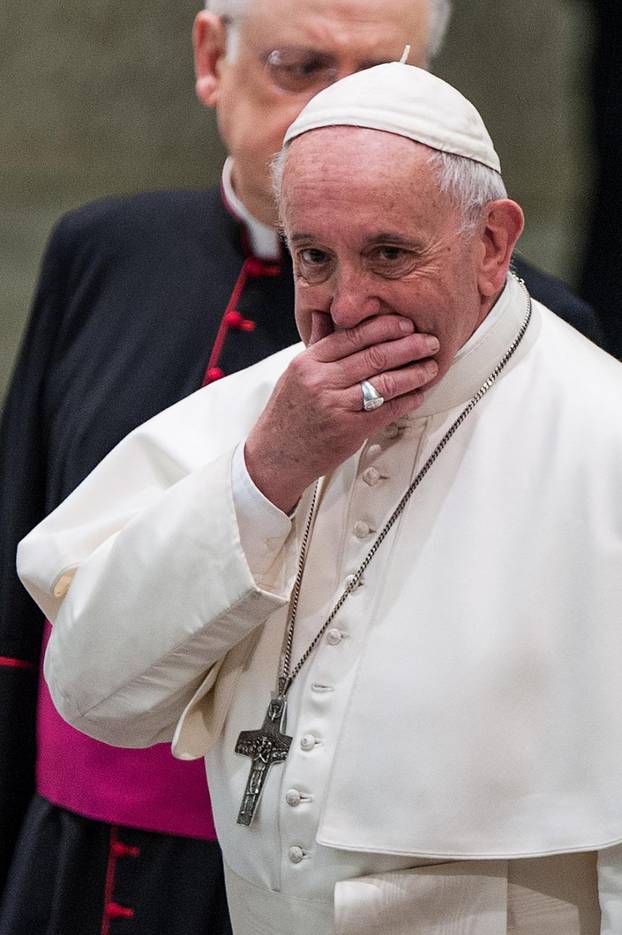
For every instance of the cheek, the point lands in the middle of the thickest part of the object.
(245, 110)
(277, 114)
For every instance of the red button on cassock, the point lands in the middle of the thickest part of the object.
(234, 319)
(214, 373)
(115, 911)
(124, 850)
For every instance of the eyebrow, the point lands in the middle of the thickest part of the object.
(299, 238)
(382, 237)
(398, 239)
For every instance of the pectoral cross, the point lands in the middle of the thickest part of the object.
(265, 746)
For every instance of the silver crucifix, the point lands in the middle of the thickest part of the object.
(265, 746)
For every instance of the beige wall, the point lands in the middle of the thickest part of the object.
(97, 98)
(525, 65)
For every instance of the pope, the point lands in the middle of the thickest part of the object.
(374, 579)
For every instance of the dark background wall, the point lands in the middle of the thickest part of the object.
(97, 98)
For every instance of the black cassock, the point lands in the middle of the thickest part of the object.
(127, 314)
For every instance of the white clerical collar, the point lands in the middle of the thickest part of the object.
(264, 240)
(478, 357)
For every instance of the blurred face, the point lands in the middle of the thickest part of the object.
(287, 51)
(370, 234)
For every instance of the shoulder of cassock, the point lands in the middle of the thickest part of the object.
(150, 460)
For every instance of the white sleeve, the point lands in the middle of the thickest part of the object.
(263, 527)
(610, 889)
(154, 606)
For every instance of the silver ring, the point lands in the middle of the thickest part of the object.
(371, 397)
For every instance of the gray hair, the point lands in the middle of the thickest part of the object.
(469, 184)
(440, 13)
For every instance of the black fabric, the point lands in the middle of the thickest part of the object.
(556, 295)
(130, 297)
(18, 697)
(58, 884)
(131, 294)
(602, 270)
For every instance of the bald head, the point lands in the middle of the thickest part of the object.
(439, 16)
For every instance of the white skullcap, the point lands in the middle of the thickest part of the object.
(405, 100)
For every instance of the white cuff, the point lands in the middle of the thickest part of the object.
(263, 527)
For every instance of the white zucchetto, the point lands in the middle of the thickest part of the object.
(405, 100)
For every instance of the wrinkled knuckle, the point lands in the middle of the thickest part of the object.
(388, 387)
(377, 359)
(353, 336)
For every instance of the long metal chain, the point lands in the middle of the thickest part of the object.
(285, 676)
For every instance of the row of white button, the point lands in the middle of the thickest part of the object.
(308, 742)
(371, 476)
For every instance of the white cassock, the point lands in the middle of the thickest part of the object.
(456, 762)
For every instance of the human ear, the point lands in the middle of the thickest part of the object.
(502, 226)
(209, 43)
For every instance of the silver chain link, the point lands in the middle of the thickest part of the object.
(285, 677)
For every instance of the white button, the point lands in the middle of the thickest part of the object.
(371, 476)
(296, 854)
(308, 742)
(350, 580)
(293, 797)
(334, 637)
(361, 529)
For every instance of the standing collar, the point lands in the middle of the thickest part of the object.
(264, 240)
(476, 359)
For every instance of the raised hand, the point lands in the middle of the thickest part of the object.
(315, 420)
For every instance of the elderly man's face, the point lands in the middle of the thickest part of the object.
(288, 51)
(370, 234)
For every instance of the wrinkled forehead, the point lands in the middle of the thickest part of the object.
(340, 172)
(350, 152)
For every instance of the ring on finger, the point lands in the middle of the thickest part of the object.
(371, 397)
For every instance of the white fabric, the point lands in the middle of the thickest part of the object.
(264, 240)
(467, 704)
(263, 527)
(405, 100)
(452, 899)
(543, 896)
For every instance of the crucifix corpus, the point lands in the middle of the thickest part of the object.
(265, 746)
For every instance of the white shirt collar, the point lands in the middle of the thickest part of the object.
(264, 240)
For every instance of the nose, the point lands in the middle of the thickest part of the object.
(352, 301)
